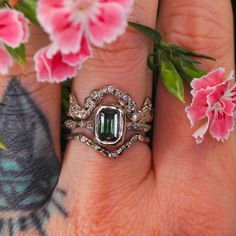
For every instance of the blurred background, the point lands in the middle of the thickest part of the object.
(234, 8)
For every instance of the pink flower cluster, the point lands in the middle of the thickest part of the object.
(13, 32)
(72, 25)
(213, 105)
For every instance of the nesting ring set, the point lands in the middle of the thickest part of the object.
(114, 127)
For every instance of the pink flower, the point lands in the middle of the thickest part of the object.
(70, 25)
(233, 96)
(5, 61)
(13, 31)
(54, 66)
(66, 21)
(13, 28)
(52, 69)
(213, 106)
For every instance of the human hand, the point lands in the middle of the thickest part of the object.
(178, 188)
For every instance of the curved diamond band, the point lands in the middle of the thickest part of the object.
(109, 123)
(112, 154)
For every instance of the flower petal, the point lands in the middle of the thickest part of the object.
(5, 61)
(221, 126)
(198, 108)
(76, 59)
(218, 92)
(13, 27)
(233, 92)
(108, 25)
(210, 80)
(200, 133)
(52, 69)
(25, 27)
(44, 11)
(229, 106)
(66, 35)
(220, 99)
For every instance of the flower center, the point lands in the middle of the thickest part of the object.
(219, 106)
(219, 110)
(82, 10)
(83, 5)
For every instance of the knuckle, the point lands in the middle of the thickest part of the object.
(200, 26)
(128, 51)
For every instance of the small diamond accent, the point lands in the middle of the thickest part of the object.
(120, 150)
(134, 117)
(125, 97)
(141, 138)
(105, 90)
(111, 89)
(96, 147)
(95, 94)
(83, 139)
(82, 124)
(114, 154)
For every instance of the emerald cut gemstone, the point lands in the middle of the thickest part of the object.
(109, 125)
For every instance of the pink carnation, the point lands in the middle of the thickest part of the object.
(54, 66)
(66, 21)
(213, 105)
(13, 31)
(72, 24)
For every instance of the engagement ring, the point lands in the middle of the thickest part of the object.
(114, 127)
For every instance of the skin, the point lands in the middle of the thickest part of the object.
(180, 188)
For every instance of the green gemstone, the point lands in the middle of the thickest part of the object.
(110, 125)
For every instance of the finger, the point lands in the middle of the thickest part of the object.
(201, 170)
(122, 64)
(30, 128)
(202, 27)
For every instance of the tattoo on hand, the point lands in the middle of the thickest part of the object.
(29, 169)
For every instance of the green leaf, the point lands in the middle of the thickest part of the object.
(65, 91)
(187, 69)
(28, 8)
(4, 4)
(2, 145)
(176, 48)
(188, 59)
(31, 3)
(149, 32)
(18, 53)
(153, 61)
(2, 104)
(171, 78)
